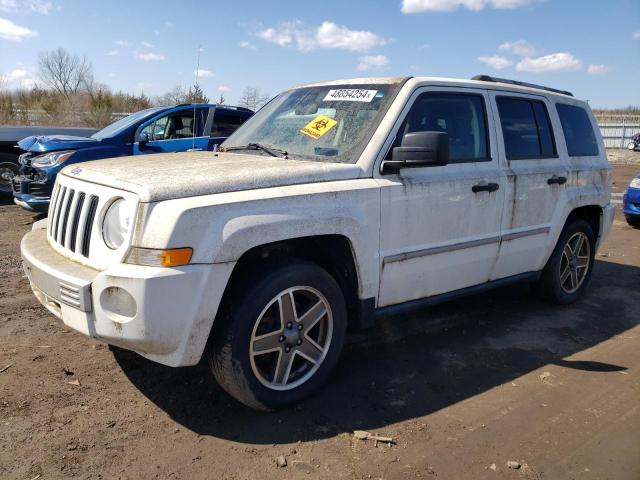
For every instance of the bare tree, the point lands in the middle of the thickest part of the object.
(221, 100)
(253, 98)
(175, 96)
(65, 73)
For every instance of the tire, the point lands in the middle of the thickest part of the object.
(7, 166)
(241, 345)
(633, 221)
(553, 284)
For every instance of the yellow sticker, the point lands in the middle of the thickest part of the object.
(318, 126)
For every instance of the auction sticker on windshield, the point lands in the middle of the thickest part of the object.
(318, 126)
(350, 95)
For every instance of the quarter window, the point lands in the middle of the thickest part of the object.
(578, 131)
(461, 116)
(525, 129)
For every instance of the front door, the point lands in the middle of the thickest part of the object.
(440, 226)
(176, 131)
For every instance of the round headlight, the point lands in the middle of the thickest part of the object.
(116, 224)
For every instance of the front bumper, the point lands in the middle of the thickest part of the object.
(164, 314)
(31, 193)
(631, 202)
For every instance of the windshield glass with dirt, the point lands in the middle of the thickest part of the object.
(329, 123)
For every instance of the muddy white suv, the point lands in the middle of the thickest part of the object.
(336, 203)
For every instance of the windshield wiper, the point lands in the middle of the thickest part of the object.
(257, 146)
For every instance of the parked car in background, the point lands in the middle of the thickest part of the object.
(631, 203)
(154, 130)
(336, 203)
(10, 135)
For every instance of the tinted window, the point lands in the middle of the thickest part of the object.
(577, 129)
(224, 124)
(462, 117)
(525, 128)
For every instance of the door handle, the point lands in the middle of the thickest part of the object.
(485, 187)
(557, 180)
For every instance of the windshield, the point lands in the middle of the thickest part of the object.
(330, 123)
(118, 126)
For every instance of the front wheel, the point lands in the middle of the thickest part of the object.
(633, 221)
(7, 171)
(278, 339)
(568, 271)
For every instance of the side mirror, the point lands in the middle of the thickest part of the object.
(143, 139)
(419, 149)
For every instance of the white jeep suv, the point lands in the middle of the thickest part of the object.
(336, 203)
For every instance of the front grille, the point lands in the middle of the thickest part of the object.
(16, 183)
(71, 216)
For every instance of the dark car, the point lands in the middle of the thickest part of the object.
(154, 130)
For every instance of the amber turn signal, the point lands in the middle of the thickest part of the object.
(172, 257)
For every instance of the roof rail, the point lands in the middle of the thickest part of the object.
(488, 78)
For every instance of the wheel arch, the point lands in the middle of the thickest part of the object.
(332, 252)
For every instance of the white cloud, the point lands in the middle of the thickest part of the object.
(16, 33)
(372, 62)
(150, 57)
(147, 44)
(326, 35)
(123, 43)
(418, 6)
(37, 6)
(245, 44)
(597, 69)
(169, 24)
(496, 62)
(521, 48)
(112, 53)
(555, 62)
(636, 35)
(202, 73)
(20, 78)
(224, 88)
(156, 32)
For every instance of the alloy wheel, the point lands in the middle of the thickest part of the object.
(574, 263)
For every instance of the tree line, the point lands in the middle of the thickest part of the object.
(67, 94)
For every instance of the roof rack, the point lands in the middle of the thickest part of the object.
(488, 78)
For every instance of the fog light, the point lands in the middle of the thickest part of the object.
(118, 304)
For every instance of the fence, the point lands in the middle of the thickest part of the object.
(617, 130)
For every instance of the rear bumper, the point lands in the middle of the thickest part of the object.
(608, 212)
(164, 314)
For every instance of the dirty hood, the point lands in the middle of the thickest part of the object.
(50, 143)
(177, 175)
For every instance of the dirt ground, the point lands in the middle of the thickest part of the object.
(463, 388)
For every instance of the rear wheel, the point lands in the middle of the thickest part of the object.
(568, 271)
(278, 339)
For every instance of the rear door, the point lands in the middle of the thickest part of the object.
(440, 226)
(174, 131)
(225, 122)
(537, 177)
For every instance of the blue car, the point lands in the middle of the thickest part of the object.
(154, 130)
(631, 203)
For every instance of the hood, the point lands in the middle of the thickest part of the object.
(49, 143)
(167, 176)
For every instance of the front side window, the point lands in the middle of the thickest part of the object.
(526, 128)
(328, 123)
(176, 125)
(461, 116)
(578, 131)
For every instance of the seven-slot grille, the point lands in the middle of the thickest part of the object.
(71, 216)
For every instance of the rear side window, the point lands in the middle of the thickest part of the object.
(525, 128)
(461, 116)
(577, 129)
(224, 124)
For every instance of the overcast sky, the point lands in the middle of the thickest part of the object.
(589, 47)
